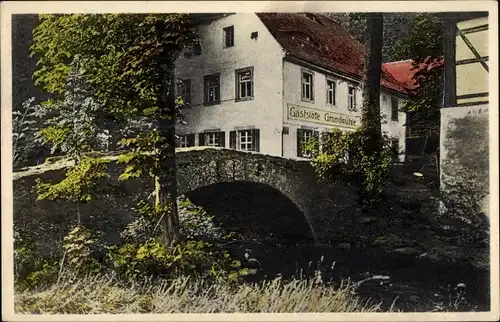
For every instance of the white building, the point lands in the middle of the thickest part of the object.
(265, 82)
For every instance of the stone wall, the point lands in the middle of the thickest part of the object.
(464, 149)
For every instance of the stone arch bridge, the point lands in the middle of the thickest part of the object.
(263, 187)
(273, 195)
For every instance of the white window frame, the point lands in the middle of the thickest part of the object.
(331, 91)
(246, 83)
(307, 84)
(216, 87)
(351, 98)
(183, 141)
(211, 139)
(307, 135)
(245, 140)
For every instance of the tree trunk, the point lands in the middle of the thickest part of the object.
(166, 182)
(370, 117)
(371, 125)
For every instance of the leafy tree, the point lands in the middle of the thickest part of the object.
(128, 62)
(397, 26)
(424, 45)
(27, 147)
(71, 123)
(69, 126)
(367, 150)
(371, 141)
(25, 135)
(370, 115)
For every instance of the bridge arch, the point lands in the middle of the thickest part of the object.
(205, 168)
(255, 211)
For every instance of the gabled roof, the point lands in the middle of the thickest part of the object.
(323, 42)
(404, 70)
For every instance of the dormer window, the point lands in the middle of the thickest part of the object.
(311, 17)
(302, 38)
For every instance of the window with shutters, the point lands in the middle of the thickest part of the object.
(351, 98)
(228, 36)
(185, 141)
(303, 137)
(184, 90)
(212, 89)
(330, 92)
(307, 86)
(245, 140)
(244, 84)
(212, 138)
(394, 109)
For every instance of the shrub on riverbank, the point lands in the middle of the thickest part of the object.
(104, 294)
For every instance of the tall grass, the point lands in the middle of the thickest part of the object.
(104, 294)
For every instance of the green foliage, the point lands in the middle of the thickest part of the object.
(31, 271)
(121, 54)
(397, 25)
(25, 136)
(423, 40)
(70, 124)
(54, 134)
(119, 65)
(142, 156)
(45, 275)
(144, 254)
(424, 45)
(80, 182)
(127, 60)
(347, 151)
(195, 223)
(78, 246)
(189, 257)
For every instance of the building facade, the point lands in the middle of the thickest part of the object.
(268, 82)
(472, 62)
(464, 139)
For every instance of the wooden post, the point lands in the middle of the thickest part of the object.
(450, 72)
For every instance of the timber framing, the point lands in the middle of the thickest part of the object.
(475, 29)
(474, 95)
(472, 60)
(473, 103)
(472, 49)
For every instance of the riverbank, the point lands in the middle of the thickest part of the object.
(412, 284)
(105, 295)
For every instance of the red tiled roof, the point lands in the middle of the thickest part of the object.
(330, 46)
(403, 71)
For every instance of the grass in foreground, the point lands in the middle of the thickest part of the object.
(103, 294)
